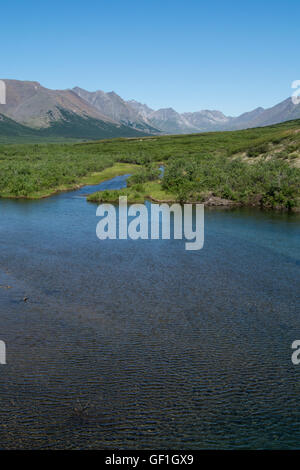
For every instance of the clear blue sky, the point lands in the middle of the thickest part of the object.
(190, 55)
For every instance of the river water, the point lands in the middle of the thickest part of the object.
(141, 344)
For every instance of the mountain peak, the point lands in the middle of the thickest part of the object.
(29, 103)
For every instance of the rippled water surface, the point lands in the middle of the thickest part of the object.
(141, 344)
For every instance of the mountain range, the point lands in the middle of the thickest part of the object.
(32, 110)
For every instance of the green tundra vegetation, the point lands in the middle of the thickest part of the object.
(252, 167)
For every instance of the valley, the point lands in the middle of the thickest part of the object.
(255, 167)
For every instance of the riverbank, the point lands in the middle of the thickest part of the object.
(254, 167)
(94, 178)
(153, 191)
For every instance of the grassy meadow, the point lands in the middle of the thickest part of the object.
(258, 167)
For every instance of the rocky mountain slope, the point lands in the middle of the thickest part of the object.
(81, 114)
(56, 112)
(170, 121)
(113, 106)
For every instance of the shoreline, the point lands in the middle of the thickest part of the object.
(121, 169)
(107, 174)
(208, 204)
(212, 202)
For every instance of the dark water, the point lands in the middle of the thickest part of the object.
(141, 344)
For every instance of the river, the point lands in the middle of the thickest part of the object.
(128, 344)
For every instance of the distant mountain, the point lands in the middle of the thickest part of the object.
(36, 106)
(70, 126)
(113, 106)
(246, 118)
(11, 128)
(284, 111)
(172, 122)
(207, 119)
(57, 112)
(32, 109)
(142, 109)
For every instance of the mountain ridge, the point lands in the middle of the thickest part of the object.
(56, 113)
(100, 114)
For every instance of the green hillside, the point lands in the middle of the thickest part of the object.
(74, 126)
(70, 128)
(11, 131)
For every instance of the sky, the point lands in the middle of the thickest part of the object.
(186, 54)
